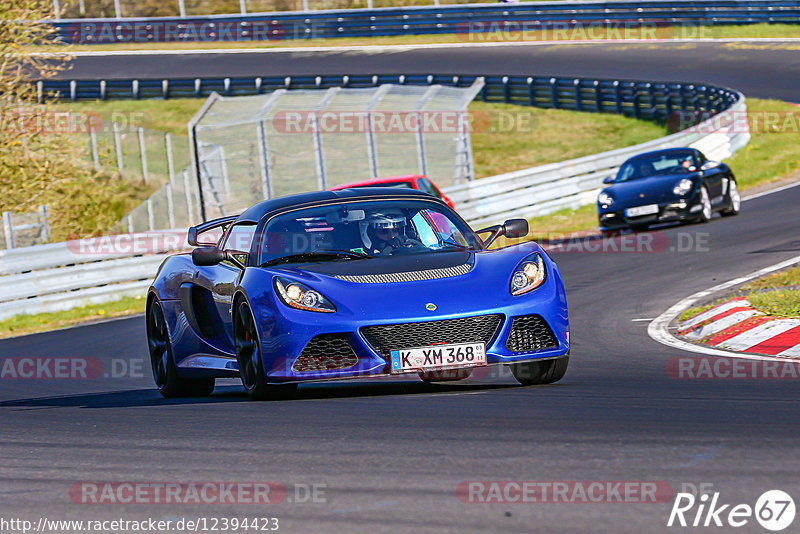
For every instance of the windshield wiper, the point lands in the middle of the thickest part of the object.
(322, 255)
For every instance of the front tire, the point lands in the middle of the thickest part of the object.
(705, 203)
(165, 373)
(248, 357)
(534, 373)
(734, 200)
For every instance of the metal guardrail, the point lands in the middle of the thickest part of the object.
(423, 20)
(59, 276)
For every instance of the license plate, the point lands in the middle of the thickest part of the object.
(438, 357)
(642, 210)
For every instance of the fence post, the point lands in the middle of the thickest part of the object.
(188, 192)
(182, 8)
(8, 229)
(243, 7)
(118, 146)
(130, 224)
(56, 10)
(372, 152)
(117, 9)
(150, 222)
(170, 161)
(95, 154)
(44, 218)
(305, 5)
(170, 207)
(263, 156)
(322, 182)
(143, 154)
(421, 158)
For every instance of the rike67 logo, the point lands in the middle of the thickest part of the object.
(774, 510)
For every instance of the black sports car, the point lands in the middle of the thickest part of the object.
(671, 185)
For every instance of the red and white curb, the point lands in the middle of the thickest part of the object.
(735, 325)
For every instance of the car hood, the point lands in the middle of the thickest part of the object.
(652, 190)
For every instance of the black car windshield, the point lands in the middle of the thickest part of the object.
(655, 165)
(363, 230)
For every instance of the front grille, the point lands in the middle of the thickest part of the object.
(530, 332)
(326, 352)
(385, 338)
(412, 276)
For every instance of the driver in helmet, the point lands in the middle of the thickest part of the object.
(385, 233)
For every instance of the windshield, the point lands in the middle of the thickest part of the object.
(645, 166)
(400, 185)
(363, 230)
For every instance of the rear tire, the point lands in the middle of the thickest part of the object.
(248, 357)
(534, 373)
(734, 200)
(165, 373)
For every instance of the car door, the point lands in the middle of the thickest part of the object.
(226, 274)
(712, 176)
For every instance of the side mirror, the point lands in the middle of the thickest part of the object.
(515, 228)
(608, 180)
(206, 256)
(512, 228)
(191, 237)
(709, 165)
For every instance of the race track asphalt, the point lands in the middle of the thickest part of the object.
(390, 454)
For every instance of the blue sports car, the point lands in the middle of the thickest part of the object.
(352, 284)
(671, 185)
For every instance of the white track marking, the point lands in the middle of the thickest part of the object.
(759, 334)
(713, 312)
(792, 352)
(720, 325)
(642, 320)
(409, 47)
(659, 328)
(764, 193)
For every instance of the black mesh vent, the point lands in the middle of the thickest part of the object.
(385, 338)
(410, 276)
(530, 332)
(326, 352)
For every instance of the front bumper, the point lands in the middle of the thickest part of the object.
(678, 211)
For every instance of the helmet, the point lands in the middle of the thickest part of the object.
(389, 220)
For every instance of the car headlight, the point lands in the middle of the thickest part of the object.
(302, 297)
(683, 187)
(605, 198)
(528, 275)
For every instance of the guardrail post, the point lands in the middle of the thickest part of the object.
(118, 146)
(578, 103)
(598, 96)
(182, 8)
(165, 89)
(170, 162)
(170, 206)
(95, 154)
(73, 90)
(263, 157)
(8, 229)
(618, 96)
(554, 92)
(506, 90)
(103, 91)
(44, 220)
(531, 92)
(135, 89)
(39, 91)
(636, 111)
(143, 155)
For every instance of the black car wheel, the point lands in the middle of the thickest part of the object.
(546, 372)
(734, 200)
(165, 373)
(705, 203)
(248, 357)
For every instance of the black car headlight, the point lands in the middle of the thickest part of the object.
(302, 297)
(605, 199)
(528, 275)
(683, 187)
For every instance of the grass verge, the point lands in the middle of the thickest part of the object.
(778, 302)
(29, 324)
(475, 36)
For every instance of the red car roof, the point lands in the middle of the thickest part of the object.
(374, 181)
